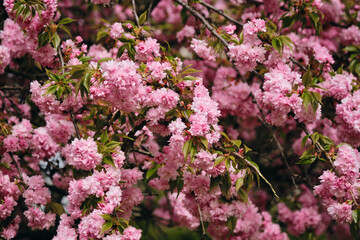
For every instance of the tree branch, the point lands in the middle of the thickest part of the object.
(134, 11)
(221, 12)
(71, 112)
(204, 21)
(17, 166)
(298, 64)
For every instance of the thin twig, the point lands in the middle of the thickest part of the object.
(204, 21)
(26, 75)
(147, 153)
(75, 125)
(149, 12)
(321, 149)
(13, 88)
(170, 209)
(225, 43)
(71, 112)
(283, 156)
(214, 33)
(135, 14)
(255, 168)
(17, 166)
(221, 12)
(61, 59)
(298, 64)
(201, 219)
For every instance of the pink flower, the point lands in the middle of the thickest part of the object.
(201, 48)
(82, 154)
(147, 50)
(187, 31)
(340, 212)
(177, 126)
(4, 58)
(38, 219)
(246, 57)
(90, 226)
(116, 30)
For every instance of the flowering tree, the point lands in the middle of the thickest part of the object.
(175, 119)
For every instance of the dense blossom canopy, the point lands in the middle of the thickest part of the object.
(179, 119)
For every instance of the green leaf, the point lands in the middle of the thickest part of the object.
(225, 184)
(287, 41)
(314, 18)
(205, 142)
(85, 59)
(104, 60)
(66, 21)
(247, 149)
(189, 78)
(257, 170)
(106, 226)
(104, 137)
(142, 18)
(236, 143)
(121, 51)
(231, 223)
(65, 29)
(112, 145)
(78, 74)
(87, 81)
(107, 217)
(184, 15)
(56, 41)
(287, 21)
(357, 69)
(50, 89)
(100, 35)
(306, 79)
(108, 160)
(304, 140)
(219, 160)
(317, 96)
(271, 26)
(350, 49)
(239, 183)
(5, 165)
(224, 135)
(43, 39)
(190, 70)
(152, 171)
(306, 160)
(305, 96)
(186, 148)
(215, 182)
(277, 44)
(55, 208)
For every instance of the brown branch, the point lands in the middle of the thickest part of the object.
(214, 33)
(201, 219)
(298, 64)
(283, 156)
(320, 149)
(204, 21)
(25, 74)
(71, 112)
(144, 152)
(75, 125)
(17, 166)
(13, 88)
(221, 12)
(225, 43)
(134, 11)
